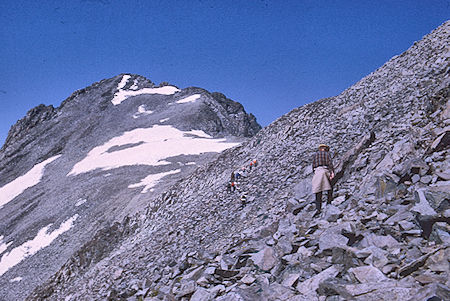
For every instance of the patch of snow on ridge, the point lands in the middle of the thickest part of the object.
(191, 98)
(150, 181)
(154, 144)
(142, 111)
(134, 86)
(19, 185)
(80, 202)
(121, 95)
(31, 247)
(17, 279)
(164, 120)
(123, 82)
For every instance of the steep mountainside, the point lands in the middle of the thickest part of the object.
(385, 237)
(67, 172)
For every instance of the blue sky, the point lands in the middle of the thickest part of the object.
(271, 56)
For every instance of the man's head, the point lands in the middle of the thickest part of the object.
(324, 147)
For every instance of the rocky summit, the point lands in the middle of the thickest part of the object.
(385, 236)
(67, 172)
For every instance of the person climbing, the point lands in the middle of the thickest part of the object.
(234, 186)
(323, 174)
(237, 175)
(255, 163)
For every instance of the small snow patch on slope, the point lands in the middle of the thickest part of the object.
(31, 247)
(142, 111)
(153, 145)
(19, 185)
(150, 181)
(17, 279)
(191, 98)
(121, 95)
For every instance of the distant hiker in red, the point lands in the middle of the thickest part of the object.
(323, 174)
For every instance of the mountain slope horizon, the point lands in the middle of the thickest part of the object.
(384, 237)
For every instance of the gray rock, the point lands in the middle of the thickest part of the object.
(367, 274)
(422, 207)
(331, 238)
(380, 241)
(186, 288)
(332, 213)
(265, 259)
(309, 287)
(202, 294)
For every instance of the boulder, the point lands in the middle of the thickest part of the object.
(441, 142)
(202, 294)
(265, 259)
(309, 287)
(367, 274)
(332, 213)
(332, 238)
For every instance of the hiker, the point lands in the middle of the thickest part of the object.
(234, 186)
(243, 172)
(255, 163)
(323, 174)
(237, 175)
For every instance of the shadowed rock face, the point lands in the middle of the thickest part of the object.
(197, 241)
(67, 172)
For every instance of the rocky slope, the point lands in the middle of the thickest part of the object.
(385, 236)
(67, 172)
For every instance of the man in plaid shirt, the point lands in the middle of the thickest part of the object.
(323, 174)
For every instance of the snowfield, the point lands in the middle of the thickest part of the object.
(31, 247)
(122, 94)
(150, 181)
(152, 146)
(19, 185)
(191, 98)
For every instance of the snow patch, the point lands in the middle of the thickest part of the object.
(191, 98)
(19, 185)
(17, 279)
(80, 202)
(150, 181)
(134, 86)
(191, 163)
(121, 94)
(142, 111)
(123, 82)
(31, 247)
(199, 133)
(164, 120)
(154, 144)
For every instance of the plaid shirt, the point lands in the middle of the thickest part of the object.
(323, 158)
